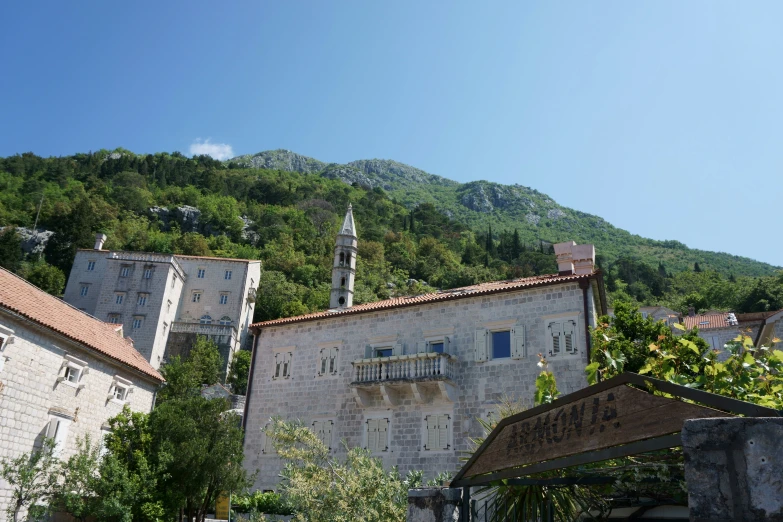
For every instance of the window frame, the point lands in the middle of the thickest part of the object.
(560, 350)
(6, 338)
(366, 433)
(318, 425)
(69, 366)
(205, 319)
(222, 321)
(91, 265)
(267, 448)
(201, 273)
(57, 429)
(195, 296)
(147, 273)
(449, 432)
(483, 342)
(282, 365)
(113, 316)
(84, 289)
(223, 298)
(125, 271)
(141, 300)
(328, 360)
(140, 320)
(227, 275)
(119, 298)
(120, 383)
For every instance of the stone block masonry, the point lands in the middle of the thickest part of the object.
(733, 469)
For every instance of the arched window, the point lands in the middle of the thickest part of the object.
(342, 258)
(225, 320)
(205, 319)
(348, 259)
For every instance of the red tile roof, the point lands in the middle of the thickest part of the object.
(706, 321)
(20, 297)
(443, 295)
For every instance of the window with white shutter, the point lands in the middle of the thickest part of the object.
(481, 345)
(327, 361)
(377, 435)
(563, 337)
(437, 428)
(72, 370)
(269, 447)
(283, 362)
(333, 352)
(323, 430)
(57, 429)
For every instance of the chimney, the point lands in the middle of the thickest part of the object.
(583, 257)
(565, 260)
(100, 239)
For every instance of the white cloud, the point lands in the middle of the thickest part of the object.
(219, 151)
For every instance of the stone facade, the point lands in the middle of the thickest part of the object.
(156, 295)
(468, 387)
(31, 360)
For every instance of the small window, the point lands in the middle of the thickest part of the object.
(562, 335)
(437, 432)
(328, 361)
(205, 319)
(165, 328)
(137, 323)
(437, 347)
(114, 318)
(173, 280)
(84, 289)
(57, 430)
(90, 266)
(269, 447)
(142, 301)
(125, 271)
(223, 299)
(228, 275)
(147, 273)
(119, 298)
(282, 365)
(501, 344)
(118, 392)
(201, 273)
(377, 433)
(196, 297)
(120, 388)
(72, 374)
(342, 258)
(225, 320)
(384, 352)
(323, 430)
(3, 341)
(168, 306)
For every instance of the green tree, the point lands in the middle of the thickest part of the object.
(11, 254)
(48, 278)
(32, 481)
(76, 495)
(184, 376)
(239, 372)
(323, 488)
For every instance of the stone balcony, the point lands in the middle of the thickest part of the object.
(425, 376)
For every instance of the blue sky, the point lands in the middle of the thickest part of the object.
(662, 117)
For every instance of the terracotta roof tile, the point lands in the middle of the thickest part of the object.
(706, 321)
(19, 296)
(443, 295)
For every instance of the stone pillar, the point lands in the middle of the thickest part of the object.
(734, 468)
(434, 504)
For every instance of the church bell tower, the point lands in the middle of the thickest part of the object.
(344, 268)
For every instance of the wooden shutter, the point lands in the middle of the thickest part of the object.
(481, 345)
(327, 431)
(372, 435)
(367, 351)
(278, 363)
(324, 361)
(569, 337)
(555, 329)
(421, 347)
(52, 428)
(383, 427)
(269, 448)
(432, 432)
(518, 342)
(446, 345)
(397, 349)
(287, 364)
(443, 431)
(333, 360)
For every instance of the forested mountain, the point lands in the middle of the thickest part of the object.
(417, 231)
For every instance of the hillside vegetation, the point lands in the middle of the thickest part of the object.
(252, 209)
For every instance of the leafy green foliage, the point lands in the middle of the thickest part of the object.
(320, 487)
(32, 481)
(11, 254)
(184, 377)
(239, 372)
(268, 502)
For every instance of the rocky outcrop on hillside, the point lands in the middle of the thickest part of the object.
(33, 241)
(349, 175)
(391, 174)
(482, 196)
(281, 159)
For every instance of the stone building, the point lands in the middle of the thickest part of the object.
(718, 328)
(63, 373)
(408, 377)
(164, 301)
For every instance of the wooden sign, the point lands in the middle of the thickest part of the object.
(619, 415)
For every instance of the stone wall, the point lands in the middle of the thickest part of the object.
(478, 386)
(733, 469)
(29, 391)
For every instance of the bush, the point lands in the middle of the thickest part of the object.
(269, 503)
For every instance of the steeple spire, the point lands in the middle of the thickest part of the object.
(344, 268)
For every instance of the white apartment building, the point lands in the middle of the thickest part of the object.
(408, 377)
(164, 300)
(63, 373)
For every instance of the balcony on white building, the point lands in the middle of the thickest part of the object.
(426, 376)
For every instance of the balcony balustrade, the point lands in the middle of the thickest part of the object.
(419, 366)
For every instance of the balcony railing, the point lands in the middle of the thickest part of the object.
(420, 366)
(205, 329)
